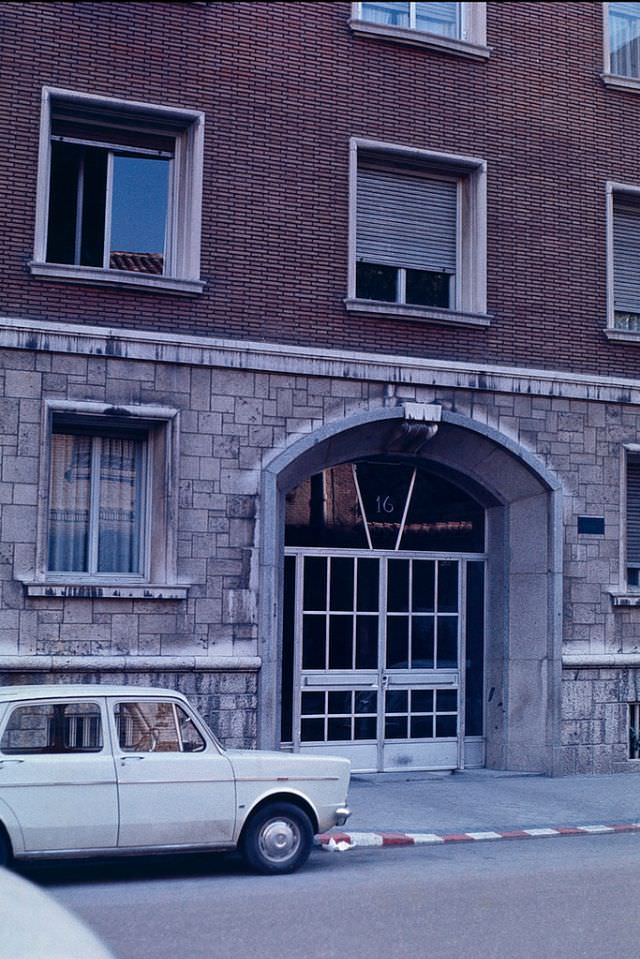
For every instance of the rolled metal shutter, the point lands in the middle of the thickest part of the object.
(405, 220)
(633, 512)
(626, 258)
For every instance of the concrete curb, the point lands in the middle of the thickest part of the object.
(342, 841)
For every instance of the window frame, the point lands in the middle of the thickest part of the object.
(184, 202)
(470, 283)
(158, 576)
(630, 451)
(609, 78)
(615, 190)
(471, 43)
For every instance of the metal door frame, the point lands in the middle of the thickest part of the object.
(382, 673)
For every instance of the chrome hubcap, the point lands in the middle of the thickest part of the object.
(279, 839)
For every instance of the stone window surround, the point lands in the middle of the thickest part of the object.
(160, 578)
(186, 197)
(471, 44)
(471, 285)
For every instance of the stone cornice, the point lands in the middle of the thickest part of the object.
(255, 356)
(129, 664)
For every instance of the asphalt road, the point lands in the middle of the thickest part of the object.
(574, 898)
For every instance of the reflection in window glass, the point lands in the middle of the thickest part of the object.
(53, 728)
(391, 14)
(147, 727)
(139, 213)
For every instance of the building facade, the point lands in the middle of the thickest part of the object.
(320, 371)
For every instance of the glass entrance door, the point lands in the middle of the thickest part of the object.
(373, 647)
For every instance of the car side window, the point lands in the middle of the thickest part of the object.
(38, 728)
(156, 727)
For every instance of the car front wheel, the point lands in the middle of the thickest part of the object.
(277, 839)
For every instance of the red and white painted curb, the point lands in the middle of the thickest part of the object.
(341, 841)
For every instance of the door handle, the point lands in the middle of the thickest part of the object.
(128, 759)
(3, 762)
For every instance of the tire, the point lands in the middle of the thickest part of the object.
(6, 855)
(277, 839)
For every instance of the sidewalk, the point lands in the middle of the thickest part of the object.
(408, 808)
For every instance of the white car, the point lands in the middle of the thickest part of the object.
(100, 770)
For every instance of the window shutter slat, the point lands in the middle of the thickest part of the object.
(626, 259)
(406, 221)
(633, 512)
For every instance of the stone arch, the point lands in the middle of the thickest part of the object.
(524, 529)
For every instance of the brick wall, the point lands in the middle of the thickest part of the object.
(284, 86)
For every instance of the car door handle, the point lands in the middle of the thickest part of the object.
(3, 762)
(128, 759)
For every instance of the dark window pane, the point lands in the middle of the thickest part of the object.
(376, 282)
(324, 511)
(422, 642)
(63, 194)
(397, 642)
(367, 642)
(339, 702)
(421, 727)
(395, 727)
(397, 701)
(315, 582)
(442, 518)
(338, 730)
(422, 701)
(312, 704)
(448, 587)
(288, 623)
(93, 207)
(365, 729)
(426, 288)
(312, 730)
(366, 701)
(423, 586)
(368, 577)
(341, 584)
(384, 488)
(475, 650)
(447, 642)
(398, 586)
(313, 642)
(447, 700)
(341, 642)
(446, 727)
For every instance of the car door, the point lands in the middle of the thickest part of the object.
(175, 786)
(57, 774)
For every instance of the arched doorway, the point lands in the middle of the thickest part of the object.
(522, 563)
(383, 625)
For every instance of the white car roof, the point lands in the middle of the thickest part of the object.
(81, 690)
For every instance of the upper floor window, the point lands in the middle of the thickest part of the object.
(457, 27)
(418, 234)
(120, 192)
(624, 258)
(442, 18)
(624, 39)
(633, 519)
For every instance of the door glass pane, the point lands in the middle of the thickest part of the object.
(398, 586)
(397, 700)
(446, 727)
(474, 684)
(139, 213)
(368, 578)
(422, 700)
(395, 727)
(338, 729)
(397, 642)
(447, 587)
(341, 642)
(312, 730)
(312, 703)
(447, 657)
(366, 701)
(364, 728)
(367, 642)
(341, 596)
(69, 501)
(147, 727)
(120, 505)
(314, 654)
(315, 582)
(422, 642)
(339, 702)
(288, 649)
(423, 586)
(421, 727)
